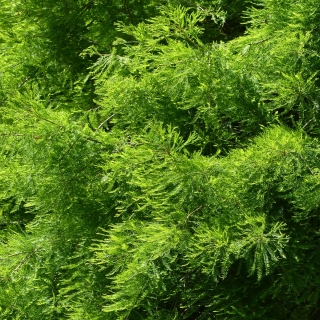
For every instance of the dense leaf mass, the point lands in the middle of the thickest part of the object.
(159, 159)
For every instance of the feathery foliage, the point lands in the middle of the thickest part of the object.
(159, 160)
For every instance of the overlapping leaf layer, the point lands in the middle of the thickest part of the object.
(159, 159)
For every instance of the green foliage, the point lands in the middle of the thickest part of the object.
(159, 160)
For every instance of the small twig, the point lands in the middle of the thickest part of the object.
(94, 109)
(27, 79)
(91, 139)
(12, 134)
(64, 181)
(23, 261)
(139, 293)
(194, 5)
(310, 169)
(76, 174)
(191, 213)
(47, 120)
(128, 11)
(307, 165)
(12, 255)
(307, 123)
(23, 82)
(260, 41)
(101, 124)
(71, 146)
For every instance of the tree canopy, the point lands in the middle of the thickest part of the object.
(159, 159)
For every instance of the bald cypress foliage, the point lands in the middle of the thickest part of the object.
(159, 160)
